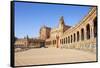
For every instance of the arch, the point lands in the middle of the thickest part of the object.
(77, 35)
(66, 40)
(71, 38)
(62, 41)
(88, 31)
(95, 27)
(82, 34)
(74, 37)
(55, 41)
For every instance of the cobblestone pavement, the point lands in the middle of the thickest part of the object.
(40, 56)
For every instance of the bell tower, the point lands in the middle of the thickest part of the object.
(61, 23)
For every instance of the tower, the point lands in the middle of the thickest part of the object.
(61, 23)
(45, 32)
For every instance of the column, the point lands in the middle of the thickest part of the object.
(80, 39)
(85, 38)
(91, 29)
(92, 26)
(92, 35)
(76, 39)
(80, 35)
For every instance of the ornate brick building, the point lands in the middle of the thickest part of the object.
(81, 36)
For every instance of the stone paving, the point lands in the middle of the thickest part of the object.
(40, 56)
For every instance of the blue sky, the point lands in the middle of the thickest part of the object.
(29, 17)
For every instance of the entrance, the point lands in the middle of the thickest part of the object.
(42, 44)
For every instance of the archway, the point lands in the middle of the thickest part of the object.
(68, 39)
(74, 37)
(71, 38)
(88, 31)
(42, 44)
(82, 34)
(77, 35)
(95, 27)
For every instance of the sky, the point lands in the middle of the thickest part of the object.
(30, 17)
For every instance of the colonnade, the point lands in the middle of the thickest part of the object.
(83, 38)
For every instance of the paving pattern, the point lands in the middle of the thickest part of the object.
(40, 56)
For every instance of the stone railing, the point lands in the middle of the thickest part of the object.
(86, 45)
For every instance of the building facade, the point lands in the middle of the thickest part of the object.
(28, 43)
(81, 36)
(21, 43)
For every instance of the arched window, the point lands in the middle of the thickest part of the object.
(88, 31)
(66, 40)
(74, 37)
(77, 35)
(82, 34)
(71, 38)
(95, 27)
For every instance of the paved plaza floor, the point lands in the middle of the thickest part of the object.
(40, 56)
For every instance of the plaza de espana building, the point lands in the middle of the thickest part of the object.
(82, 36)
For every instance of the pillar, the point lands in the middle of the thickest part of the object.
(92, 29)
(85, 38)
